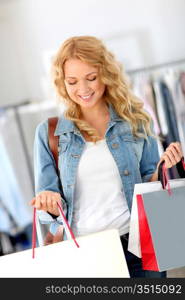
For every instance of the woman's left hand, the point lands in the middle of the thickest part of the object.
(172, 155)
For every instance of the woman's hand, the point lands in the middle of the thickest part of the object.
(47, 201)
(172, 155)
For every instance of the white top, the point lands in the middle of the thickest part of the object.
(99, 200)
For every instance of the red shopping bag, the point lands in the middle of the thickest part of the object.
(149, 261)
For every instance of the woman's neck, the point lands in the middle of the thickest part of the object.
(96, 113)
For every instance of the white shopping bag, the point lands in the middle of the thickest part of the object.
(99, 255)
(95, 255)
(142, 188)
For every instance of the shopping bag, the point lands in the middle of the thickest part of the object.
(95, 255)
(161, 227)
(142, 188)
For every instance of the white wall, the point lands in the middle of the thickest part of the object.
(140, 33)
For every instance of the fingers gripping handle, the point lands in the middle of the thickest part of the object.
(180, 168)
(163, 177)
(163, 174)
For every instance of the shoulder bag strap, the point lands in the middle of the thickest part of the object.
(52, 139)
(53, 144)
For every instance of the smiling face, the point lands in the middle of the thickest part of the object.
(83, 84)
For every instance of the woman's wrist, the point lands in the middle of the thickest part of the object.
(53, 215)
(154, 176)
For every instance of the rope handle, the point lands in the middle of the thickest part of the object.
(183, 163)
(163, 175)
(165, 179)
(67, 228)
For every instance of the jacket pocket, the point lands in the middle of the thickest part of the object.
(62, 147)
(63, 144)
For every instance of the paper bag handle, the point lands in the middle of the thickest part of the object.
(67, 228)
(181, 168)
(163, 174)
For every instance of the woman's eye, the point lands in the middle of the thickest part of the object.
(71, 83)
(89, 79)
(92, 79)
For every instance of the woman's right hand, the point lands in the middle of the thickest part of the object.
(47, 201)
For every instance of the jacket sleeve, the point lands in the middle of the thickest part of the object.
(46, 178)
(150, 158)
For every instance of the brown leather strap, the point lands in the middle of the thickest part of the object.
(52, 139)
(53, 144)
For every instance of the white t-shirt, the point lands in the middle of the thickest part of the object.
(99, 200)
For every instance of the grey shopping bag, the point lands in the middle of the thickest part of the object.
(161, 226)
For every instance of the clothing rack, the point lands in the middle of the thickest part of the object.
(15, 107)
(155, 67)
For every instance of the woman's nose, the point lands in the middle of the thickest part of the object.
(83, 87)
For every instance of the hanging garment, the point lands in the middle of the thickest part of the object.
(173, 134)
(17, 128)
(15, 154)
(180, 109)
(6, 246)
(141, 90)
(160, 105)
(182, 82)
(31, 115)
(11, 195)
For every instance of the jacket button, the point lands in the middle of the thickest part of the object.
(115, 146)
(126, 172)
(75, 155)
(70, 185)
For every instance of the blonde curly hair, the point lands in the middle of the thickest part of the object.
(117, 90)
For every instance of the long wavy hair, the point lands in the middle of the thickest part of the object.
(117, 90)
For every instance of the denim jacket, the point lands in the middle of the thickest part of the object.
(136, 159)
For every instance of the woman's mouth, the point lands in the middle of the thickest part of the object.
(87, 97)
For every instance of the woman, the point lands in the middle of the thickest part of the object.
(106, 146)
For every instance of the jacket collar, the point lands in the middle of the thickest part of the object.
(113, 115)
(64, 125)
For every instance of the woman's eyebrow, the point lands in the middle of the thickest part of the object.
(85, 75)
(91, 73)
